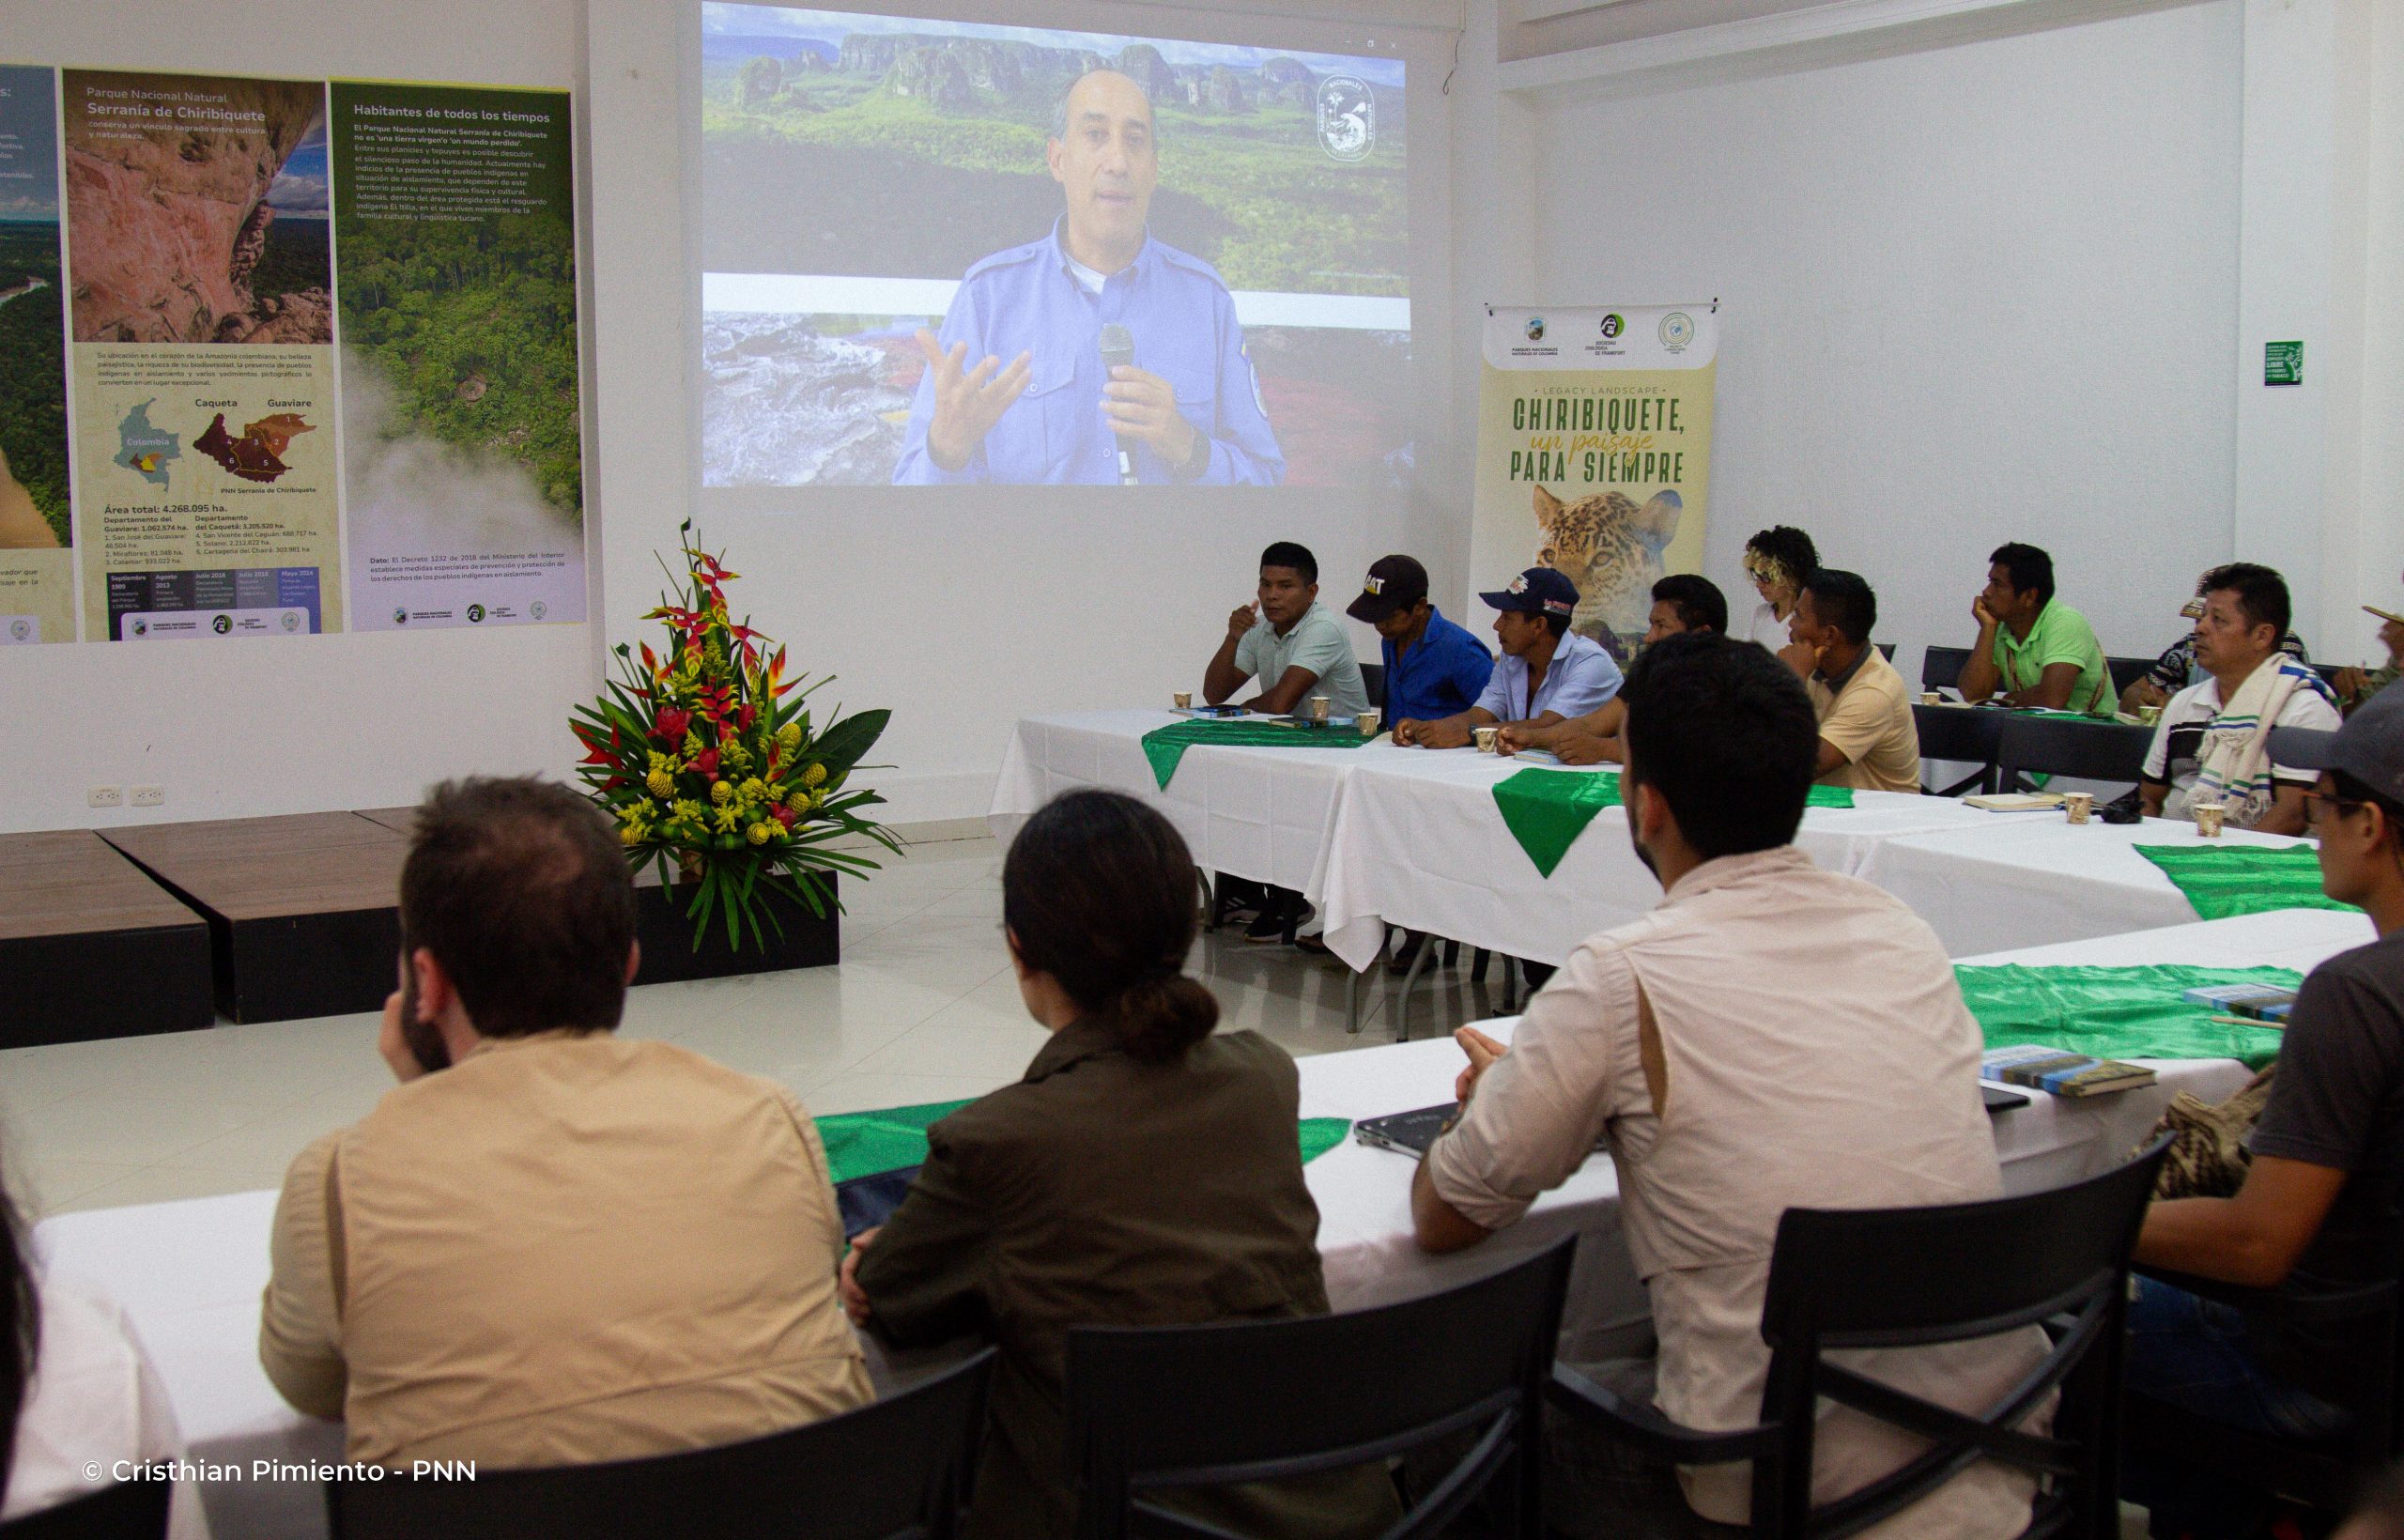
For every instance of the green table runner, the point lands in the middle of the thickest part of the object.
(2130, 1012)
(1166, 746)
(1546, 811)
(2225, 879)
(864, 1144)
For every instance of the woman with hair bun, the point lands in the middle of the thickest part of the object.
(1145, 1172)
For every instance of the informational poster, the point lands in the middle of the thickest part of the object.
(36, 558)
(1593, 454)
(319, 341)
(452, 218)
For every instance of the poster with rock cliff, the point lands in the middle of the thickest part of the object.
(200, 298)
(36, 563)
(462, 457)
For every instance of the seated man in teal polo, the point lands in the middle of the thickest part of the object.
(1289, 641)
(1548, 673)
(2031, 649)
(1434, 668)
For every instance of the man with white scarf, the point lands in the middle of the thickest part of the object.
(2213, 742)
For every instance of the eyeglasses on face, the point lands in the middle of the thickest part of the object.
(2319, 806)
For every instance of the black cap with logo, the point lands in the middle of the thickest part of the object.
(1538, 591)
(1395, 583)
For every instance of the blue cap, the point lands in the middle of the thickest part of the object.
(1538, 591)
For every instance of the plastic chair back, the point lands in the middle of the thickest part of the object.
(2059, 746)
(1942, 666)
(1373, 679)
(899, 1468)
(131, 1510)
(1202, 1406)
(2126, 672)
(1871, 1278)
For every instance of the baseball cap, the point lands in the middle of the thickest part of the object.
(1538, 591)
(2370, 748)
(1395, 582)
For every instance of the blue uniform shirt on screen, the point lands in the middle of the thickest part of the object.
(1582, 677)
(1183, 321)
(1441, 675)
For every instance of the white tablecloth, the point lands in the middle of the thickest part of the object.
(1420, 843)
(2039, 879)
(1261, 813)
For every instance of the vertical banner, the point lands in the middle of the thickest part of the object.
(461, 452)
(1593, 454)
(36, 558)
(203, 344)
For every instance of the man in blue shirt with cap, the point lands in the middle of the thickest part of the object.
(1177, 403)
(1434, 668)
(1548, 673)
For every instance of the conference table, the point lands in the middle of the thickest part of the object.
(1378, 835)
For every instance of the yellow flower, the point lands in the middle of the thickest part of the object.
(758, 833)
(818, 799)
(690, 811)
(633, 834)
(798, 802)
(789, 736)
(662, 761)
(660, 783)
(729, 821)
(814, 776)
(720, 793)
(755, 790)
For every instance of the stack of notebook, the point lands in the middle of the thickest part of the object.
(2051, 1070)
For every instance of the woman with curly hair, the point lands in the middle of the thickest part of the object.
(1777, 560)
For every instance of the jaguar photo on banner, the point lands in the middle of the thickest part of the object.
(1593, 454)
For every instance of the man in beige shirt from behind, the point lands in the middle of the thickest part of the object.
(1773, 1036)
(1868, 738)
(547, 1245)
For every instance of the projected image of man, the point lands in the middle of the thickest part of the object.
(1095, 354)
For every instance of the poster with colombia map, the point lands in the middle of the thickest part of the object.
(320, 346)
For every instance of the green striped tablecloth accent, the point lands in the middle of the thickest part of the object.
(1166, 745)
(2225, 879)
(866, 1143)
(2123, 1012)
(1546, 811)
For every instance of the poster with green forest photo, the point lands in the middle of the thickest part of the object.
(37, 566)
(455, 287)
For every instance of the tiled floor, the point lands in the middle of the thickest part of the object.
(923, 1008)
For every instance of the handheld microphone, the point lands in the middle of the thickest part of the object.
(1117, 347)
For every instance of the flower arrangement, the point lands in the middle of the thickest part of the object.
(706, 758)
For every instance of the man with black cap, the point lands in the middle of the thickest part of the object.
(1434, 668)
(2315, 1214)
(1547, 673)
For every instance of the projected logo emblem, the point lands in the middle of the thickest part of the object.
(538, 609)
(1535, 328)
(290, 622)
(1613, 326)
(20, 630)
(475, 614)
(1348, 117)
(140, 627)
(1677, 329)
(400, 617)
(222, 624)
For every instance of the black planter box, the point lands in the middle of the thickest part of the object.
(670, 957)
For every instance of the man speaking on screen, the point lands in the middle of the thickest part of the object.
(1125, 361)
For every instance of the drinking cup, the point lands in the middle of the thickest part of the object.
(1486, 736)
(2209, 817)
(2079, 806)
(1368, 721)
(1183, 698)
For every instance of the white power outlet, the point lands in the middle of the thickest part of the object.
(150, 796)
(105, 797)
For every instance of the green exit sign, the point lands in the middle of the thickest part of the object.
(2283, 363)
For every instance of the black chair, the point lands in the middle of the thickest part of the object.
(1373, 679)
(1874, 1278)
(1962, 735)
(2062, 746)
(1210, 1405)
(2127, 671)
(1886, 651)
(2326, 1475)
(2329, 672)
(1942, 666)
(131, 1510)
(899, 1468)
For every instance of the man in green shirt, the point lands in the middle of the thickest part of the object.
(2032, 651)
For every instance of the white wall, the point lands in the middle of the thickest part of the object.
(340, 721)
(966, 609)
(1969, 294)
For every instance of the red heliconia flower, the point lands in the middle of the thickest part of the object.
(673, 724)
(785, 815)
(706, 762)
(749, 715)
(596, 751)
